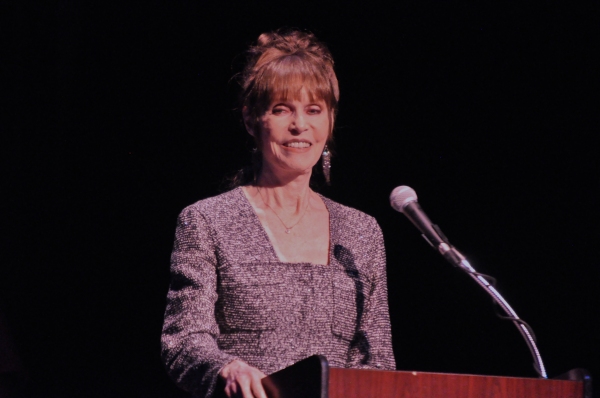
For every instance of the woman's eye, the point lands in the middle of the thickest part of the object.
(278, 111)
(314, 111)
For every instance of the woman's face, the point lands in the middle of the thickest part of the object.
(293, 134)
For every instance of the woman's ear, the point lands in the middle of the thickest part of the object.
(248, 121)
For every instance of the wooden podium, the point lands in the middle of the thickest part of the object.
(313, 378)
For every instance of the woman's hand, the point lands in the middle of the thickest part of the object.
(242, 380)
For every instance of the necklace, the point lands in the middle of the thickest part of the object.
(287, 229)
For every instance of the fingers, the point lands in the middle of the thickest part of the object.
(246, 389)
(250, 385)
(243, 380)
(257, 387)
(231, 389)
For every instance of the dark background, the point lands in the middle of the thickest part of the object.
(117, 115)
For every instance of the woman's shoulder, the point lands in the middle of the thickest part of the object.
(349, 216)
(224, 204)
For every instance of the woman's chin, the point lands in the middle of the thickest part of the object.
(294, 165)
(291, 171)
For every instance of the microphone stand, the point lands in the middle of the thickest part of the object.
(458, 260)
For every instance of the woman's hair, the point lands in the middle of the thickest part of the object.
(278, 67)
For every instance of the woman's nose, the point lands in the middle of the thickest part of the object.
(299, 123)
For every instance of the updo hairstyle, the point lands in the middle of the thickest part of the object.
(278, 67)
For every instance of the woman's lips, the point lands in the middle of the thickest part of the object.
(297, 144)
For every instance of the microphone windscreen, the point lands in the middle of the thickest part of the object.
(401, 196)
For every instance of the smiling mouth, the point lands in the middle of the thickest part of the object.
(297, 144)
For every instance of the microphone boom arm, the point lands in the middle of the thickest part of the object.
(404, 200)
(457, 259)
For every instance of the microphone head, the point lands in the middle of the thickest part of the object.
(401, 196)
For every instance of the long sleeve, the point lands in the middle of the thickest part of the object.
(377, 320)
(189, 347)
(375, 343)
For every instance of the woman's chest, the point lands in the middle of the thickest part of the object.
(279, 296)
(306, 242)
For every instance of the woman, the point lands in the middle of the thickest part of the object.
(270, 272)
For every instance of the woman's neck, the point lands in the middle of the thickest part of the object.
(289, 194)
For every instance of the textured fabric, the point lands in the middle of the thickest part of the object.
(231, 297)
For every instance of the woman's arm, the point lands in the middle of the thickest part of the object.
(375, 326)
(189, 337)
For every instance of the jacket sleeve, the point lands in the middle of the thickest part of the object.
(375, 326)
(189, 336)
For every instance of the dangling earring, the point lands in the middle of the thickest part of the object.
(326, 159)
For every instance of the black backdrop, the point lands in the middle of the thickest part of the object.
(117, 115)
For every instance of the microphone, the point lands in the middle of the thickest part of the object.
(404, 200)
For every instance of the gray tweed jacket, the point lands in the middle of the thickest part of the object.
(231, 297)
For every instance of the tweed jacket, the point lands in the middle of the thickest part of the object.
(230, 296)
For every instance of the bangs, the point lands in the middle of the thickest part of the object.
(283, 80)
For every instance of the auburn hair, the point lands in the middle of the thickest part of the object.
(278, 67)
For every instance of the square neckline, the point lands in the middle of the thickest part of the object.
(266, 238)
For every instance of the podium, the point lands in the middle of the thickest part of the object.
(313, 378)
